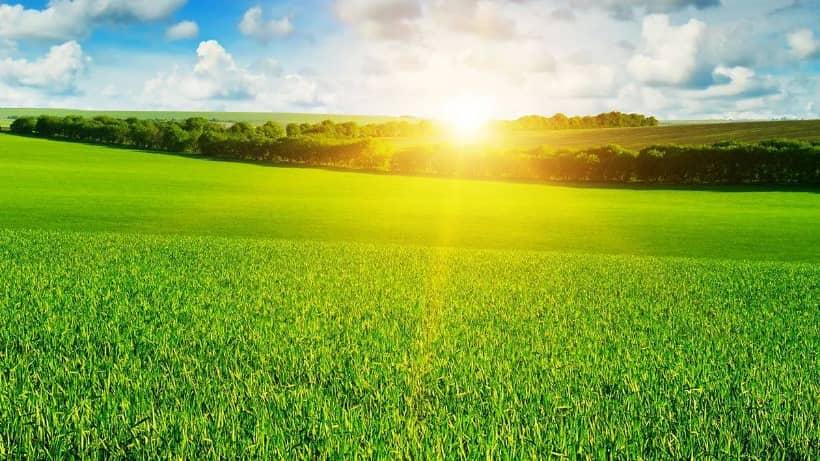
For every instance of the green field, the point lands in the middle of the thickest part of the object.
(137, 346)
(67, 186)
(178, 307)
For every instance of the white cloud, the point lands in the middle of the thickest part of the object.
(627, 9)
(56, 72)
(737, 92)
(383, 19)
(583, 80)
(254, 25)
(218, 80)
(563, 14)
(65, 19)
(669, 53)
(13, 96)
(483, 18)
(636, 97)
(269, 66)
(803, 44)
(402, 20)
(182, 30)
(735, 82)
(438, 51)
(738, 79)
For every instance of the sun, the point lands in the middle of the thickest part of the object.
(467, 119)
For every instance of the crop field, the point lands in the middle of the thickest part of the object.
(170, 306)
(635, 138)
(136, 346)
(640, 137)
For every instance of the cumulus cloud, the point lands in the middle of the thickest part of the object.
(217, 77)
(669, 55)
(56, 72)
(255, 25)
(65, 19)
(736, 93)
(182, 30)
(736, 82)
(803, 44)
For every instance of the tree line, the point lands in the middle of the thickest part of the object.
(767, 162)
(241, 141)
(404, 128)
(562, 122)
(391, 129)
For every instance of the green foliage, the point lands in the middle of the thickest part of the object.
(271, 130)
(769, 162)
(293, 129)
(562, 122)
(390, 129)
(127, 346)
(24, 125)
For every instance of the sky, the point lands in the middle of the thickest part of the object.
(675, 59)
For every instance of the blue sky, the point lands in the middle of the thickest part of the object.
(677, 59)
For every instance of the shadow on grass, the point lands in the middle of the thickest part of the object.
(636, 186)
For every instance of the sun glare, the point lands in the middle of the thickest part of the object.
(467, 119)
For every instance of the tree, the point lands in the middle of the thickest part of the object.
(242, 130)
(48, 125)
(271, 130)
(145, 134)
(173, 138)
(293, 129)
(24, 125)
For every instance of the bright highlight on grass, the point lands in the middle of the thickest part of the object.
(467, 118)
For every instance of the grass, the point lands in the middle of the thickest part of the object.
(139, 346)
(160, 306)
(65, 186)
